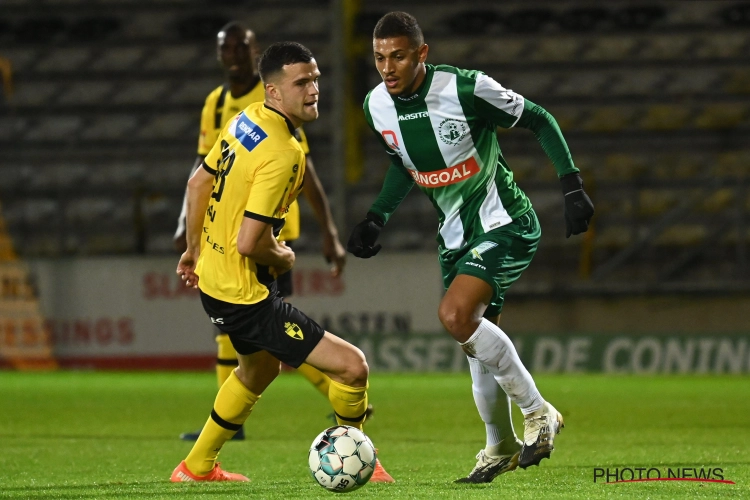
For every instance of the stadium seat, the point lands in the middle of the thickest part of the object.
(64, 59)
(638, 18)
(119, 58)
(499, 51)
(693, 81)
(581, 84)
(555, 49)
(174, 57)
(88, 92)
(610, 48)
(143, 92)
(667, 46)
(636, 82)
(666, 117)
(722, 45)
(527, 20)
(473, 22)
(193, 91)
(112, 126)
(202, 27)
(39, 30)
(737, 15)
(609, 118)
(48, 128)
(722, 116)
(623, 166)
(654, 202)
(682, 235)
(719, 201)
(568, 117)
(365, 22)
(93, 29)
(738, 82)
(583, 19)
(34, 93)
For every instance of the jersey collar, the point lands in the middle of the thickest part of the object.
(287, 120)
(418, 96)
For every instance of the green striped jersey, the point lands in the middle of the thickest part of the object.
(445, 137)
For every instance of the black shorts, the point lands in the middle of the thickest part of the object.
(271, 325)
(284, 284)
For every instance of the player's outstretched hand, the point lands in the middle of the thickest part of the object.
(364, 235)
(578, 206)
(186, 269)
(334, 254)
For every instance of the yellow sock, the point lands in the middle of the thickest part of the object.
(320, 380)
(349, 403)
(226, 358)
(232, 407)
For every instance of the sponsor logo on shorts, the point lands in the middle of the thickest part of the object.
(294, 331)
(446, 176)
(480, 266)
(477, 251)
(217, 321)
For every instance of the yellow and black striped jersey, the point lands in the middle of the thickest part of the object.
(219, 108)
(259, 167)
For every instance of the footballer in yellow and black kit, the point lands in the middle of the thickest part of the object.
(258, 166)
(219, 108)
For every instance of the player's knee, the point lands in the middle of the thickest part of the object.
(357, 369)
(459, 321)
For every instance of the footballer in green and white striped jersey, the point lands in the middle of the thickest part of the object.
(444, 135)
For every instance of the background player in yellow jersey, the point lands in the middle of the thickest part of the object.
(237, 202)
(237, 52)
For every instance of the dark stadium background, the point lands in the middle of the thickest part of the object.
(99, 123)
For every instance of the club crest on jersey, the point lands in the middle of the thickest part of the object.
(452, 131)
(248, 133)
(294, 331)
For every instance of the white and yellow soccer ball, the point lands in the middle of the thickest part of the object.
(342, 458)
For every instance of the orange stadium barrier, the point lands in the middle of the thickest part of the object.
(24, 342)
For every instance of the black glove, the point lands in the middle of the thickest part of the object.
(578, 206)
(364, 235)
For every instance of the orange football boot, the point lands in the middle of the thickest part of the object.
(182, 475)
(379, 475)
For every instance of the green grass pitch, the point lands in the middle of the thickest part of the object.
(114, 435)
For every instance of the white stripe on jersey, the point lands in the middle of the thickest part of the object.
(492, 213)
(452, 231)
(443, 104)
(385, 118)
(503, 99)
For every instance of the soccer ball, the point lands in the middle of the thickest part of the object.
(342, 458)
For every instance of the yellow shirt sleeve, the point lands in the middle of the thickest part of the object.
(273, 187)
(302, 139)
(213, 156)
(209, 134)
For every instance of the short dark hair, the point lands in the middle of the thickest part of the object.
(396, 24)
(279, 54)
